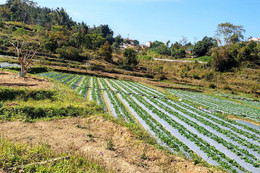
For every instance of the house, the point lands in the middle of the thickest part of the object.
(188, 51)
(148, 44)
(255, 39)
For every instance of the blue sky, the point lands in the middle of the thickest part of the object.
(150, 20)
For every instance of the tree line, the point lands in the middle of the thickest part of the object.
(57, 32)
(60, 35)
(227, 49)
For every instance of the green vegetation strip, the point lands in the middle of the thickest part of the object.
(7, 94)
(24, 158)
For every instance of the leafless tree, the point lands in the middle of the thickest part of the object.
(26, 53)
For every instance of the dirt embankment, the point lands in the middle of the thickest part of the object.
(9, 79)
(90, 137)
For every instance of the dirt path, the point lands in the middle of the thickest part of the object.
(9, 79)
(178, 60)
(64, 135)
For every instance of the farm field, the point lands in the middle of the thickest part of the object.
(237, 105)
(180, 125)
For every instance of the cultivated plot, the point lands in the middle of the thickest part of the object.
(180, 125)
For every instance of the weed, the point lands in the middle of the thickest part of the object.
(110, 145)
(144, 156)
(91, 137)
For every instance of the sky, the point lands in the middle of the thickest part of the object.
(163, 20)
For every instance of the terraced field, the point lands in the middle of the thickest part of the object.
(244, 107)
(181, 125)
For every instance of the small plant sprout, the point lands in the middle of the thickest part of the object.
(78, 122)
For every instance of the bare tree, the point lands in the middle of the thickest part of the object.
(184, 40)
(26, 53)
(229, 33)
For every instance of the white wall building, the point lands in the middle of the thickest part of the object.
(255, 39)
(148, 44)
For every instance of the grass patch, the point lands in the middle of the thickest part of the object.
(9, 94)
(30, 105)
(27, 158)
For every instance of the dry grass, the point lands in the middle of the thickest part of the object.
(8, 79)
(89, 137)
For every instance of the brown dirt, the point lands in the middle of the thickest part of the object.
(243, 119)
(64, 135)
(9, 79)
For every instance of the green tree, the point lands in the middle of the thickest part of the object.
(229, 33)
(105, 32)
(106, 51)
(136, 42)
(130, 56)
(222, 59)
(5, 13)
(25, 49)
(160, 48)
(118, 41)
(201, 48)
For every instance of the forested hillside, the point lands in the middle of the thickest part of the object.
(227, 61)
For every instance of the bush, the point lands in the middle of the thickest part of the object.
(222, 59)
(106, 51)
(30, 113)
(68, 53)
(212, 85)
(130, 56)
(1, 24)
(209, 76)
(227, 87)
(160, 77)
(195, 76)
(12, 94)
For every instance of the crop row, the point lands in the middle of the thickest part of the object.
(171, 124)
(219, 104)
(180, 125)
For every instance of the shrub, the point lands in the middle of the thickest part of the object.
(227, 87)
(209, 76)
(130, 56)
(1, 24)
(106, 51)
(68, 53)
(30, 113)
(160, 77)
(195, 76)
(212, 85)
(12, 94)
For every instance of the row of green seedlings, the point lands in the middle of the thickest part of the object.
(242, 153)
(74, 82)
(234, 137)
(148, 91)
(163, 134)
(53, 75)
(63, 75)
(218, 116)
(117, 104)
(206, 147)
(225, 122)
(66, 79)
(227, 133)
(220, 104)
(96, 94)
(83, 88)
(248, 135)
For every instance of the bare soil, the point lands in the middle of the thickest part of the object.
(9, 79)
(70, 135)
